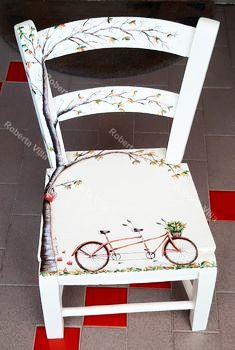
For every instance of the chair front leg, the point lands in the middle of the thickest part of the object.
(203, 290)
(51, 299)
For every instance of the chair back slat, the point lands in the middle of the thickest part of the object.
(117, 32)
(115, 99)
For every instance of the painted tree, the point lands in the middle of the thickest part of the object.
(55, 42)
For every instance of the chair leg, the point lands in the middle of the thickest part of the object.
(203, 290)
(51, 299)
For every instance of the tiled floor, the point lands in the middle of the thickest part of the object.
(211, 156)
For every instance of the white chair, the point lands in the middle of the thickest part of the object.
(90, 193)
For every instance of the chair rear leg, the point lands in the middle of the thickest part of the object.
(203, 290)
(51, 299)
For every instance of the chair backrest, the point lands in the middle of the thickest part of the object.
(38, 46)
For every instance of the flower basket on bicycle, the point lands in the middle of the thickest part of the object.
(174, 227)
(176, 234)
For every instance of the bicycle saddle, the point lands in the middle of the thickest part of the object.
(103, 232)
(138, 229)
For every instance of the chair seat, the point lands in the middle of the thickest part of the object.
(107, 189)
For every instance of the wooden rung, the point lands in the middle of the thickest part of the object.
(127, 308)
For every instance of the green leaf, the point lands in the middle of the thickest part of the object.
(77, 155)
(126, 38)
(98, 157)
(136, 161)
(97, 101)
(68, 187)
(77, 183)
(113, 39)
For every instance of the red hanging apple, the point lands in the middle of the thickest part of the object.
(49, 197)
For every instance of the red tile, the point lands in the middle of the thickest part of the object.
(106, 296)
(16, 72)
(222, 205)
(151, 285)
(69, 342)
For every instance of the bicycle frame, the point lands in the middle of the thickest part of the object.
(142, 241)
(166, 236)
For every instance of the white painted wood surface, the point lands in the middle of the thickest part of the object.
(115, 99)
(111, 32)
(32, 56)
(188, 288)
(203, 291)
(197, 44)
(51, 299)
(199, 301)
(127, 308)
(36, 47)
(98, 203)
(133, 277)
(194, 76)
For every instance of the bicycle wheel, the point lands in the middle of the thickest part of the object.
(92, 256)
(186, 254)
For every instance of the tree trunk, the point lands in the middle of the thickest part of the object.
(51, 124)
(48, 263)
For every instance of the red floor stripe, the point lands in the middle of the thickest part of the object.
(222, 205)
(151, 285)
(69, 342)
(106, 296)
(16, 72)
